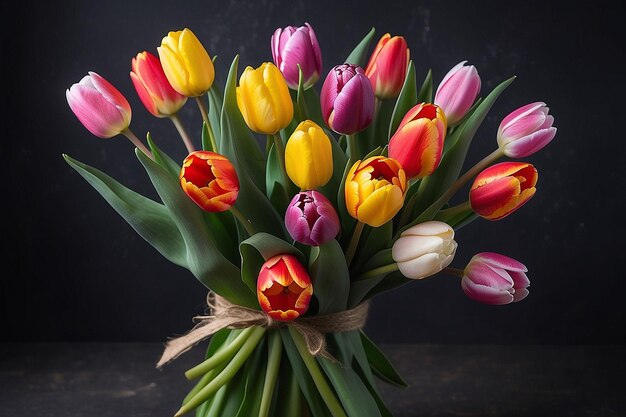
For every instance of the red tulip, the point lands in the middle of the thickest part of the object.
(388, 65)
(210, 180)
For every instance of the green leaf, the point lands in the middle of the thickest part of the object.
(452, 162)
(390, 282)
(204, 259)
(406, 100)
(237, 141)
(307, 386)
(244, 156)
(359, 53)
(216, 101)
(380, 364)
(163, 159)
(330, 276)
(425, 94)
(313, 105)
(301, 110)
(258, 249)
(350, 389)
(377, 239)
(276, 185)
(340, 160)
(151, 220)
(347, 221)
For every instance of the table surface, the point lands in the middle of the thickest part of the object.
(119, 379)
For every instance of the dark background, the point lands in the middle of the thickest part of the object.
(73, 270)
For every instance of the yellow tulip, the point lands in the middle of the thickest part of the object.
(375, 190)
(263, 99)
(309, 156)
(186, 63)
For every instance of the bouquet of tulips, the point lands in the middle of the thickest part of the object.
(348, 198)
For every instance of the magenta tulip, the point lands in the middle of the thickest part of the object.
(347, 99)
(526, 130)
(311, 219)
(458, 91)
(99, 106)
(492, 278)
(293, 46)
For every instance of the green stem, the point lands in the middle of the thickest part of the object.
(218, 402)
(353, 151)
(280, 150)
(205, 117)
(453, 271)
(294, 397)
(135, 140)
(227, 374)
(407, 210)
(451, 212)
(430, 212)
(327, 393)
(273, 365)
(222, 355)
(243, 220)
(354, 242)
(386, 269)
(182, 132)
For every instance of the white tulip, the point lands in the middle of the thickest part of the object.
(424, 249)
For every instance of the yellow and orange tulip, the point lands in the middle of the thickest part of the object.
(375, 190)
(210, 180)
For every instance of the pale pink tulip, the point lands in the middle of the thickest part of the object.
(458, 91)
(526, 130)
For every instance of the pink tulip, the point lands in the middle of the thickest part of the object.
(99, 106)
(526, 130)
(311, 219)
(492, 278)
(293, 46)
(347, 99)
(458, 91)
(152, 86)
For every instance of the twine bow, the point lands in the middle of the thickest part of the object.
(224, 314)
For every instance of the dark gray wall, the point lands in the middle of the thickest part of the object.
(73, 270)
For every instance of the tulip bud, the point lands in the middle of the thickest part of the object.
(491, 278)
(297, 46)
(418, 142)
(210, 180)
(526, 130)
(387, 66)
(99, 106)
(375, 190)
(263, 99)
(457, 91)
(347, 99)
(309, 156)
(186, 63)
(152, 86)
(502, 188)
(284, 288)
(424, 249)
(311, 219)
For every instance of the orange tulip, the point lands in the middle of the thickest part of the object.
(210, 180)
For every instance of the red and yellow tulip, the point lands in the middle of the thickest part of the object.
(502, 188)
(284, 288)
(210, 180)
(388, 65)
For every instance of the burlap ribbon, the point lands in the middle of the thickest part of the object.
(224, 314)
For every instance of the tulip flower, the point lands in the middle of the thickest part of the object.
(418, 142)
(458, 91)
(186, 63)
(263, 99)
(284, 288)
(210, 180)
(311, 219)
(293, 46)
(153, 88)
(309, 156)
(347, 99)
(526, 130)
(99, 106)
(424, 249)
(502, 188)
(492, 278)
(375, 190)
(388, 65)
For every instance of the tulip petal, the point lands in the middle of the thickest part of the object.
(495, 260)
(101, 117)
(530, 144)
(485, 294)
(424, 266)
(379, 207)
(430, 228)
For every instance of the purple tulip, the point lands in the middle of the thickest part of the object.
(297, 46)
(491, 278)
(458, 91)
(526, 130)
(311, 219)
(347, 99)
